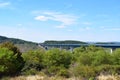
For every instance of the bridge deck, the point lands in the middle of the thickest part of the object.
(78, 45)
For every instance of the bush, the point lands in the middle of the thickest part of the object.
(31, 71)
(9, 62)
(85, 59)
(84, 71)
(108, 69)
(101, 58)
(11, 47)
(54, 59)
(63, 72)
(33, 61)
(116, 57)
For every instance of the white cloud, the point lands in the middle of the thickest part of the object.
(69, 30)
(64, 19)
(85, 29)
(41, 18)
(110, 28)
(19, 24)
(113, 29)
(4, 4)
(87, 23)
(61, 26)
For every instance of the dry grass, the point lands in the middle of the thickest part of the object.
(39, 77)
(34, 77)
(108, 77)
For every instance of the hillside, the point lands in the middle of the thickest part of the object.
(21, 44)
(64, 42)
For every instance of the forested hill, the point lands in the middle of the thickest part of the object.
(21, 44)
(64, 42)
(76, 42)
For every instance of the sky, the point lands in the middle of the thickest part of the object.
(40, 20)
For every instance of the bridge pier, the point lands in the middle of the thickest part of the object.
(111, 50)
(46, 48)
(60, 48)
(71, 49)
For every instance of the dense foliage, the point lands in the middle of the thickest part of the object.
(11, 61)
(33, 61)
(85, 62)
(56, 60)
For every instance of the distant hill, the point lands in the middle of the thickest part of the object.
(64, 42)
(21, 44)
(107, 43)
(77, 42)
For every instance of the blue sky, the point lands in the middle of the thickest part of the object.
(40, 20)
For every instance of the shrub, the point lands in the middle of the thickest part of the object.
(108, 69)
(116, 57)
(101, 58)
(9, 62)
(63, 72)
(84, 71)
(54, 59)
(33, 61)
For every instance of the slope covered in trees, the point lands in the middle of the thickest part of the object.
(21, 44)
(64, 42)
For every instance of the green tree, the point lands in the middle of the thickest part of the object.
(93, 48)
(56, 59)
(9, 63)
(33, 61)
(102, 58)
(86, 59)
(10, 59)
(116, 57)
(11, 47)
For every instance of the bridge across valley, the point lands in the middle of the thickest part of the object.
(72, 46)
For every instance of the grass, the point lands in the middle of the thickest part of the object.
(108, 77)
(39, 77)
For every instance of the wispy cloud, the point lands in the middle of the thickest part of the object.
(113, 29)
(70, 30)
(64, 19)
(87, 23)
(42, 18)
(4, 4)
(19, 24)
(85, 29)
(110, 28)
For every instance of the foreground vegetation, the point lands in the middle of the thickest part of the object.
(83, 63)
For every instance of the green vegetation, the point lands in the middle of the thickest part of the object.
(33, 62)
(23, 45)
(11, 61)
(84, 62)
(57, 61)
